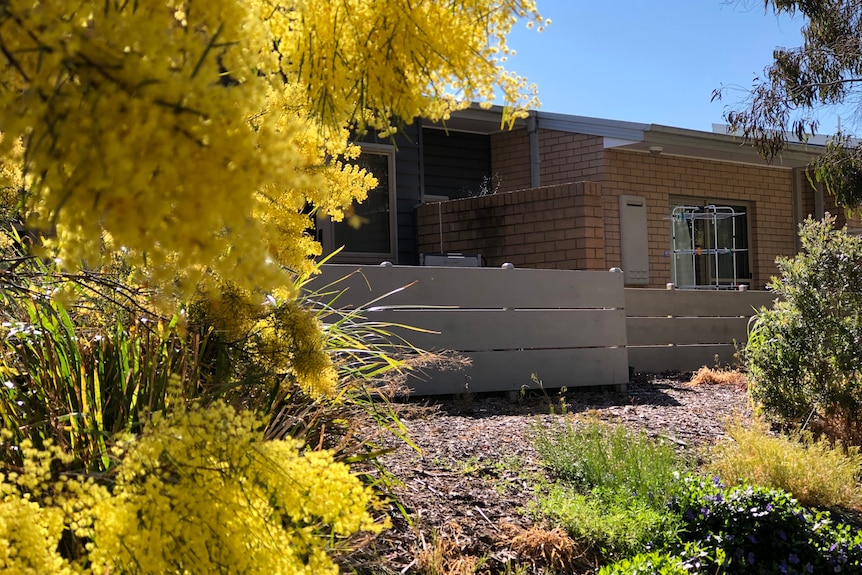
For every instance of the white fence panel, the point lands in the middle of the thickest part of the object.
(568, 328)
(683, 330)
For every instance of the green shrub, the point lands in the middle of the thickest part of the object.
(758, 530)
(613, 486)
(80, 384)
(817, 473)
(615, 525)
(612, 458)
(804, 354)
(654, 563)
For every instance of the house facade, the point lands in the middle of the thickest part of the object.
(666, 205)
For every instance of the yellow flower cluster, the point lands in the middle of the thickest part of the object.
(191, 136)
(289, 340)
(36, 507)
(201, 493)
(198, 493)
(29, 535)
(11, 183)
(281, 339)
(401, 58)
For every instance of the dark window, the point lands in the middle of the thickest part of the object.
(370, 228)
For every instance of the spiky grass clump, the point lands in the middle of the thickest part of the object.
(818, 473)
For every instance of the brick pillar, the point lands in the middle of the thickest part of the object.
(591, 226)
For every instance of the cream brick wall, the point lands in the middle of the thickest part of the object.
(767, 191)
(510, 159)
(567, 157)
(553, 227)
(563, 225)
(564, 157)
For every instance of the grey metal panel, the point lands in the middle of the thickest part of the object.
(725, 147)
(475, 120)
(686, 330)
(591, 126)
(634, 240)
(513, 370)
(456, 260)
(474, 288)
(694, 303)
(483, 330)
(679, 357)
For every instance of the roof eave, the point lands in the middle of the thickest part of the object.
(709, 145)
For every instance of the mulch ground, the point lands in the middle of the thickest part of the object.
(467, 492)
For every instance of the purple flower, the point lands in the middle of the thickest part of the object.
(717, 498)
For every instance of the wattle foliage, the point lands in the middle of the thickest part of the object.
(198, 492)
(191, 136)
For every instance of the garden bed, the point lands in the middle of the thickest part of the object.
(468, 493)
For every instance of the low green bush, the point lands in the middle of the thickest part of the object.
(615, 525)
(613, 485)
(757, 530)
(612, 458)
(654, 563)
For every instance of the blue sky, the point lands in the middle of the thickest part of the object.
(654, 62)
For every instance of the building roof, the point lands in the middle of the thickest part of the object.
(648, 138)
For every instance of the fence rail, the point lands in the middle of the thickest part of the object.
(566, 327)
(569, 328)
(682, 330)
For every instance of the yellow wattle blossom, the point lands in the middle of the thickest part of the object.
(29, 535)
(201, 493)
(35, 509)
(11, 183)
(193, 135)
(198, 493)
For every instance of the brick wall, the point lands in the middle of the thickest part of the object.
(510, 159)
(563, 157)
(553, 227)
(577, 225)
(568, 157)
(767, 191)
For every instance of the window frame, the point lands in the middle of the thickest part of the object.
(723, 282)
(326, 227)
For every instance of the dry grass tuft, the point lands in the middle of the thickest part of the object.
(444, 555)
(816, 472)
(551, 550)
(718, 376)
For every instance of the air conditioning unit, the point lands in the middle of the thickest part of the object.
(453, 260)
